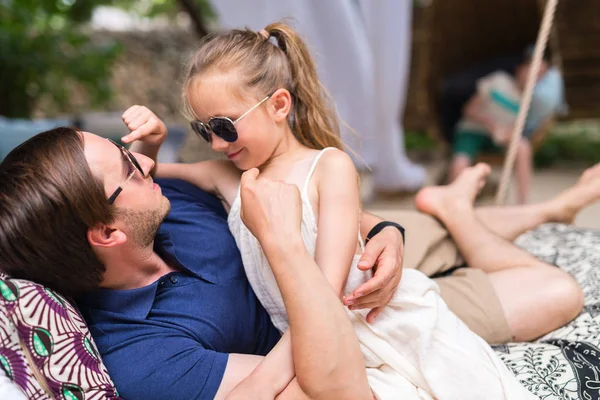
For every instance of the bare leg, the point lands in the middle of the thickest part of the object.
(524, 291)
(459, 163)
(523, 170)
(511, 221)
(523, 283)
(453, 205)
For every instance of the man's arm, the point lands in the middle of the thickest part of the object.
(327, 358)
(336, 245)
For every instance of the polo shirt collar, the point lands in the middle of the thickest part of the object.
(134, 303)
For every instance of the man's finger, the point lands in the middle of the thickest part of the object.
(386, 263)
(375, 283)
(372, 304)
(373, 314)
(369, 257)
(362, 301)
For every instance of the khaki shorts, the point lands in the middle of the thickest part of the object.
(467, 291)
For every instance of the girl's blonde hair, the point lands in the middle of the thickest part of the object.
(267, 67)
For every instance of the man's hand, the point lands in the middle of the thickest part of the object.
(270, 209)
(384, 254)
(144, 125)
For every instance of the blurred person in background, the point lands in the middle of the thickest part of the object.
(489, 116)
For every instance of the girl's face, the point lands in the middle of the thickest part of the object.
(220, 95)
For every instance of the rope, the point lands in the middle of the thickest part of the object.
(540, 46)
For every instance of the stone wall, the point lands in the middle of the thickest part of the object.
(149, 72)
(150, 68)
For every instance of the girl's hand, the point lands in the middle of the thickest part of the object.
(384, 254)
(143, 125)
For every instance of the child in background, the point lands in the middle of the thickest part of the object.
(489, 118)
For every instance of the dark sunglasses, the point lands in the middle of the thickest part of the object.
(222, 127)
(136, 166)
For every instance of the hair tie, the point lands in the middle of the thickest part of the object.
(268, 37)
(264, 34)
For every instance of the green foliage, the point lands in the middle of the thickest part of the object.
(419, 141)
(576, 145)
(44, 49)
(171, 8)
(580, 147)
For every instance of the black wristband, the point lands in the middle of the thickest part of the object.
(384, 224)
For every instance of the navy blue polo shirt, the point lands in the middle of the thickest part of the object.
(171, 339)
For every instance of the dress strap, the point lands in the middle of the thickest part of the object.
(360, 239)
(313, 167)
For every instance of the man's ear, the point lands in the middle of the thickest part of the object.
(281, 101)
(105, 236)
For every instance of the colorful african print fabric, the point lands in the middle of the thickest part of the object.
(45, 345)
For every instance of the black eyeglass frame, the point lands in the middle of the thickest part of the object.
(131, 158)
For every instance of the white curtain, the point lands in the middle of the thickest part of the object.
(389, 27)
(361, 65)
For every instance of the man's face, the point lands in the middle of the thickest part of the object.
(141, 205)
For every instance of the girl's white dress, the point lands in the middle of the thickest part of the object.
(416, 348)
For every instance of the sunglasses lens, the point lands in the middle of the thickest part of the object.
(224, 128)
(200, 129)
(135, 162)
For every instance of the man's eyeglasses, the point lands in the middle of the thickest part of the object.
(136, 166)
(222, 127)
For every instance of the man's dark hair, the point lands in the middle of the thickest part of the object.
(49, 199)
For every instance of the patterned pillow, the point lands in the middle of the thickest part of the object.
(45, 345)
(565, 363)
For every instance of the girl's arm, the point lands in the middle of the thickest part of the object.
(338, 217)
(219, 177)
(273, 374)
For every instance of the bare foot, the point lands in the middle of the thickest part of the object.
(438, 200)
(564, 207)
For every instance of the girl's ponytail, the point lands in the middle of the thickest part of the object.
(314, 122)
